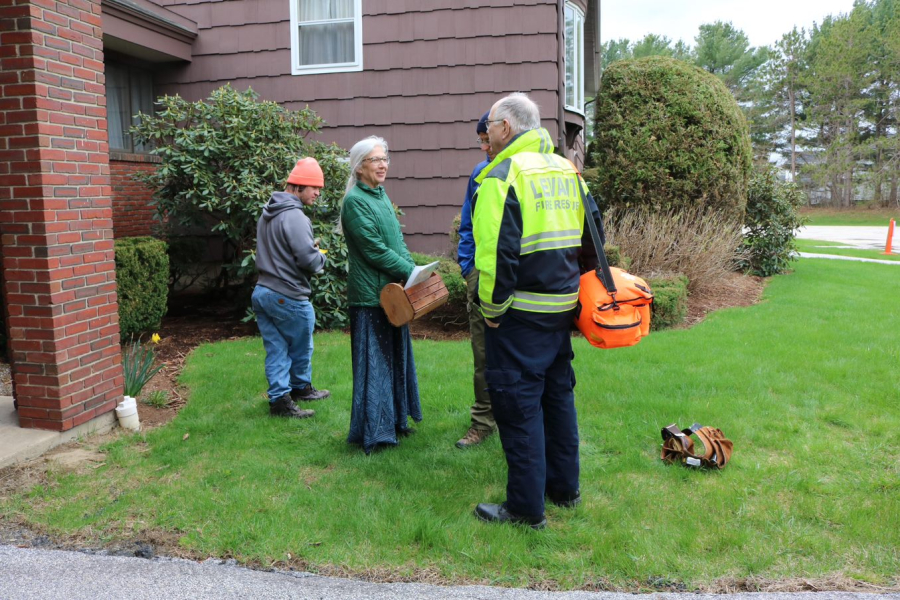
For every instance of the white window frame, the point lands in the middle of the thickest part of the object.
(297, 69)
(578, 46)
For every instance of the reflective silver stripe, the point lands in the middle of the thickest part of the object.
(545, 297)
(566, 233)
(552, 245)
(494, 310)
(547, 144)
(543, 308)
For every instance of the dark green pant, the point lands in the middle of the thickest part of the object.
(482, 415)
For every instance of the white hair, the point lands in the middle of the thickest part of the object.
(358, 152)
(521, 112)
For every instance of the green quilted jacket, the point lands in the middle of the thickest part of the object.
(378, 254)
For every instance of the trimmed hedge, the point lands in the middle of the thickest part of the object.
(669, 307)
(142, 276)
(668, 135)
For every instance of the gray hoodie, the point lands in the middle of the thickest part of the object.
(285, 252)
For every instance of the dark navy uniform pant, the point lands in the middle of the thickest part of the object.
(531, 382)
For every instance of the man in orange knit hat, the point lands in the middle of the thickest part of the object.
(286, 257)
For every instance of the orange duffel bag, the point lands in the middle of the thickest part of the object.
(613, 306)
(616, 318)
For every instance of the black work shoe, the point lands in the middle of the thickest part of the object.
(309, 393)
(565, 500)
(285, 407)
(497, 513)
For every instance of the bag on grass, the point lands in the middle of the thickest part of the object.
(678, 446)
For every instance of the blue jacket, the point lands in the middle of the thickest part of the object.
(465, 253)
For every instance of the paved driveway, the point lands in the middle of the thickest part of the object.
(858, 237)
(28, 573)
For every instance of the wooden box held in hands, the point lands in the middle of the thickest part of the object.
(402, 306)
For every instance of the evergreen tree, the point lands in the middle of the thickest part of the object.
(778, 96)
(838, 74)
(725, 52)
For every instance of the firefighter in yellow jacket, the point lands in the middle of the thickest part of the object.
(530, 235)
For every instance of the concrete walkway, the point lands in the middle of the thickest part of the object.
(17, 444)
(853, 258)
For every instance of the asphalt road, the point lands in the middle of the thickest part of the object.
(31, 573)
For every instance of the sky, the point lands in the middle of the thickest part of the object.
(764, 21)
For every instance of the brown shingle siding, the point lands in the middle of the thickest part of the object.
(430, 70)
(224, 61)
(394, 7)
(235, 13)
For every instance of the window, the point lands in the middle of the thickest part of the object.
(326, 36)
(129, 90)
(574, 58)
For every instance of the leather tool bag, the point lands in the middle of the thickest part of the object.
(678, 446)
(613, 306)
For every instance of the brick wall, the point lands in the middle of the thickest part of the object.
(56, 214)
(132, 213)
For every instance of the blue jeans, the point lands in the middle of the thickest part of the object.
(287, 328)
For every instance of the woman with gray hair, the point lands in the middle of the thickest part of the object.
(385, 387)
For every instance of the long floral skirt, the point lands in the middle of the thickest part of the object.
(385, 388)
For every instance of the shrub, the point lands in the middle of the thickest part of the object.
(142, 278)
(221, 160)
(615, 258)
(668, 135)
(454, 233)
(670, 297)
(186, 264)
(772, 218)
(698, 243)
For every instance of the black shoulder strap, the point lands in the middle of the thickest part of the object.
(603, 272)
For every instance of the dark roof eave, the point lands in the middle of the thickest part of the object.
(153, 17)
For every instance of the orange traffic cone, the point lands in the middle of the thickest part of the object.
(890, 239)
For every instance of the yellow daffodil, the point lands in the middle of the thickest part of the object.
(155, 338)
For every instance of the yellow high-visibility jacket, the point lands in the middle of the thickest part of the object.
(528, 222)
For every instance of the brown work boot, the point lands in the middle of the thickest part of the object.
(473, 437)
(285, 407)
(308, 394)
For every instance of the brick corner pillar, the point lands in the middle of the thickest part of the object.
(56, 214)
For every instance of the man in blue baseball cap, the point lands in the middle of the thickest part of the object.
(483, 424)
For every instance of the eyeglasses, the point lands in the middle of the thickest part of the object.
(374, 160)
(482, 142)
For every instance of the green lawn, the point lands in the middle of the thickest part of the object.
(805, 384)
(823, 247)
(858, 216)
